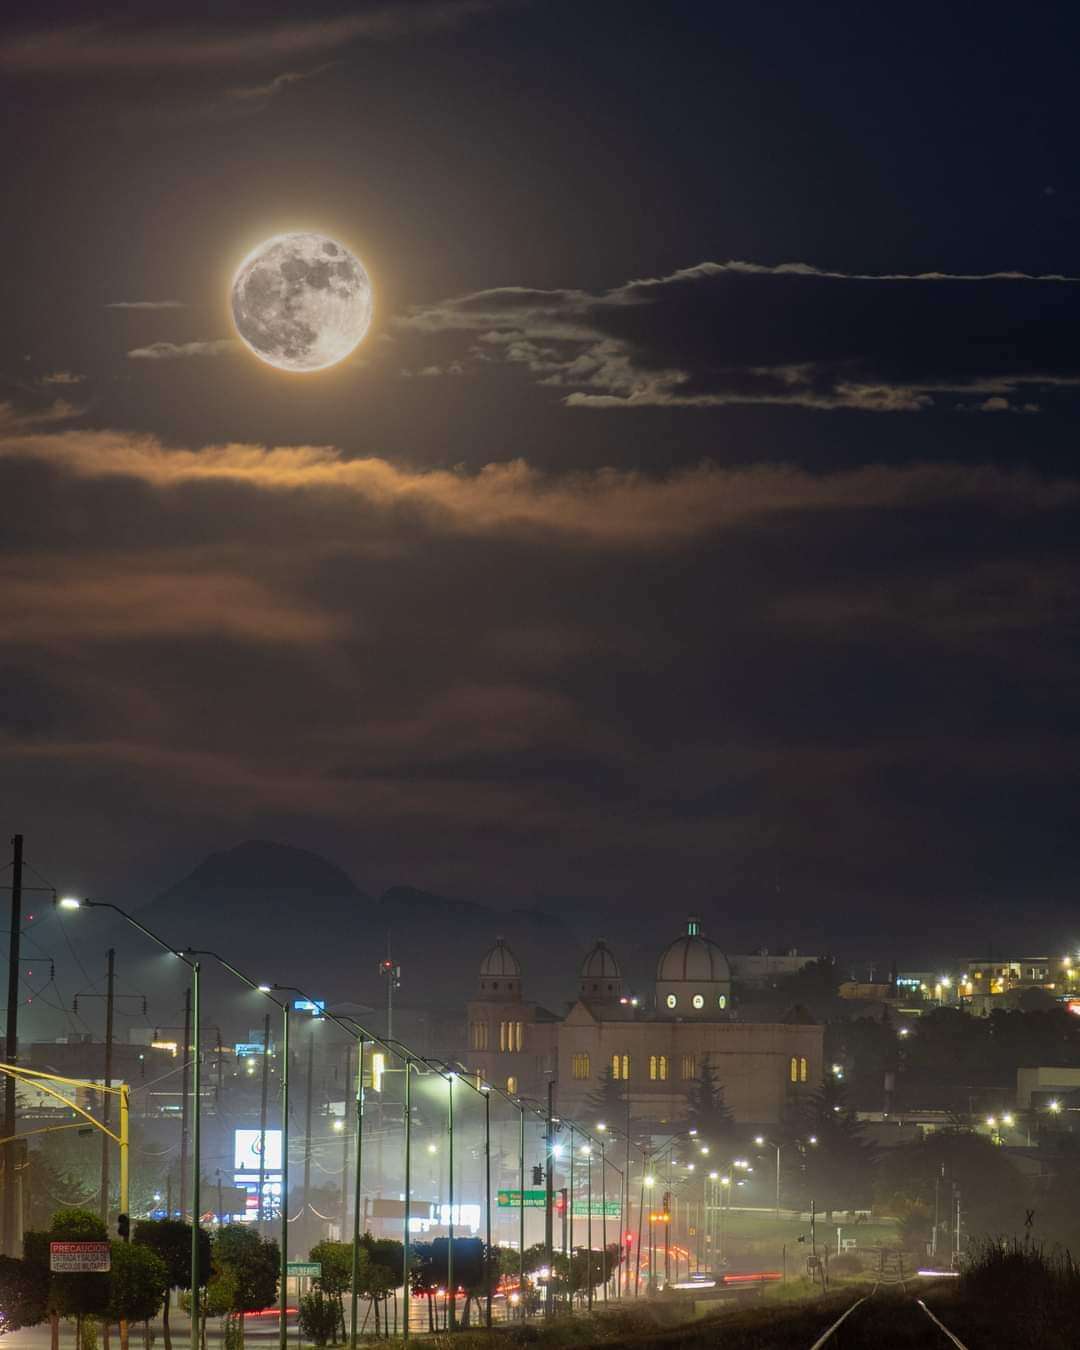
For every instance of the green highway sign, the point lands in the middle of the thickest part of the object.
(512, 1199)
(312, 1269)
(600, 1209)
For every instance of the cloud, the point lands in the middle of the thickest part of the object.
(607, 507)
(721, 334)
(173, 351)
(280, 82)
(62, 377)
(146, 304)
(108, 47)
(604, 675)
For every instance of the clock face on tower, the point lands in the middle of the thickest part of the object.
(671, 1000)
(698, 1001)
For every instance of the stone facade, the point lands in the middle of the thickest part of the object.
(657, 1050)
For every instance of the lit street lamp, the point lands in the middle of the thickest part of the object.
(73, 902)
(761, 1141)
(283, 1255)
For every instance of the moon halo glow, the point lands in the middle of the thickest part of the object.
(301, 302)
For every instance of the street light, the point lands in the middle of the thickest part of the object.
(761, 1141)
(76, 902)
(267, 992)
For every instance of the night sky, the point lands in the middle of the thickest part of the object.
(696, 525)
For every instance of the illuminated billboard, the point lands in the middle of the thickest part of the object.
(246, 1151)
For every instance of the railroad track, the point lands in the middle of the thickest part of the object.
(884, 1320)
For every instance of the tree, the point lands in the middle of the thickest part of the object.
(138, 1285)
(170, 1239)
(706, 1111)
(914, 1181)
(380, 1273)
(244, 1275)
(75, 1296)
(24, 1294)
(608, 1101)
(835, 1158)
(335, 1258)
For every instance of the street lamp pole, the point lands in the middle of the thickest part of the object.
(283, 1217)
(71, 902)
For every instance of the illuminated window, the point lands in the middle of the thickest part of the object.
(579, 1066)
(689, 1067)
(502, 1036)
(671, 1000)
(698, 1001)
(511, 1085)
(658, 1067)
(722, 1002)
(793, 1069)
(378, 1068)
(479, 1039)
(519, 1036)
(802, 1070)
(620, 1066)
(511, 1037)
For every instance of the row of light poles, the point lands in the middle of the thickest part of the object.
(413, 1063)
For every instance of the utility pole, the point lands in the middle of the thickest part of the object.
(345, 1143)
(392, 974)
(549, 1198)
(307, 1128)
(106, 1105)
(263, 1105)
(11, 1149)
(185, 1109)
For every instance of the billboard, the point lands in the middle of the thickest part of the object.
(246, 1151)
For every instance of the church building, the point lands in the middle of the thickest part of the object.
(656, 1047)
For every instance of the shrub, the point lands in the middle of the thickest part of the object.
(318, 1317)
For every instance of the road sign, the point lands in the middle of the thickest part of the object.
(79, 1258)
(312, 1269)
(600, 1209)
(512, 1199)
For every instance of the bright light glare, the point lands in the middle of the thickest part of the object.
(759, 1140)
(650, 1181)
(1054, 1106)
(339, 1125)
(601, 1126)
(70, 902)
(264, 988)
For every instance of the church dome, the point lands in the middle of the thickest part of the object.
(601, 979)
(693, 957)
(693, 978)
(500, 963)
(600, 964)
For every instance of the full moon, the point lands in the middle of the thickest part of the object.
(301, 301)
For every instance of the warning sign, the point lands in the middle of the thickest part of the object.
(79, 1258)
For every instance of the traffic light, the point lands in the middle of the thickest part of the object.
(123, 1226)
(538, 1175)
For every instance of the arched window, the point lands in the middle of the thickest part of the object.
(689, 1067)
(519, 1037)
(658, 1068)
(479, 1035)
(793, 1069)
(502, 1042)
(802, 1070)
(511, 1085)
(579, 1065)
(620, 1066)
(722, 1002)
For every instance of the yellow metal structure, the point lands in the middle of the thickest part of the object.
(42, 1081)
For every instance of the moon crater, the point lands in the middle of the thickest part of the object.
(301, 302)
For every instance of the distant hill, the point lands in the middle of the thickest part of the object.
(294, 917)
(260, 864)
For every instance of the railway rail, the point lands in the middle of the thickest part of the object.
(909, 1322)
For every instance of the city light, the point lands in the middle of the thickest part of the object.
(70, 902)
(339, 1125)
(759, 1139)
(601, 1126)
(1053, 1106)
(650, 1181)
